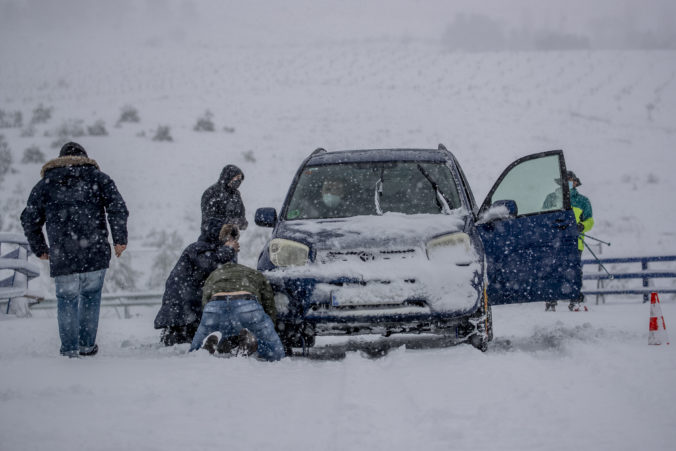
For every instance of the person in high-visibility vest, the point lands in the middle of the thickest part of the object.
(585, 221)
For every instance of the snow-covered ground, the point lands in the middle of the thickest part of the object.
(280, 81)
(549, 381)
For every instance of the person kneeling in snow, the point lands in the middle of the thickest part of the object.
(181, 308)
(239, 305)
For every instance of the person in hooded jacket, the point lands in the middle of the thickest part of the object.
(223, 201)
(582, 209)
(72, 200)
(181, 308)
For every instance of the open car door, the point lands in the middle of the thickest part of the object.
(529, 233)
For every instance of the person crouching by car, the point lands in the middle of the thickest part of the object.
(181, 308)
(239, 304)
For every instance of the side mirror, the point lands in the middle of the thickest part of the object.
(266, 217)
(510, 205)
(500, 209)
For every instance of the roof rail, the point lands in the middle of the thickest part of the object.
(442, 147)
(318, 150)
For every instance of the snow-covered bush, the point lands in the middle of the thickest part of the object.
(98, 128)
(5, 157)
(28, 131)
(170, 246)
(70, 129)
(163, 133)
(121, 275)
(128, 114)
(33, 154)
(11, 204)
(249, 156)
(205, 123)
(11, 119)
(41, 114)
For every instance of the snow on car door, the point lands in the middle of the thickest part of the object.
(532, 251)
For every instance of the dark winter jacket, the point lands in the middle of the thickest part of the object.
(182, 300)
(223, 202)
(233, 277)
(73, 199)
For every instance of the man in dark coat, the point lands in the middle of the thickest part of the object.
(181, 308)
(72, 199)
(222, 199)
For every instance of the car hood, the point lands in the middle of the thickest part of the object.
(404, 273)
(390, 230)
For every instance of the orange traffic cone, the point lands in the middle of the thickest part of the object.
(657, 333)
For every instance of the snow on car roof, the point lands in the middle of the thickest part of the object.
(367, 155)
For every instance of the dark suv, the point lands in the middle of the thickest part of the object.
(391, 241)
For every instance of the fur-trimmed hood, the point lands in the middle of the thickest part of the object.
(62, 162)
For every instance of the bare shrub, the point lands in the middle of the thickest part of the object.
(11, 119)
(33, 154)
(98, 128)
(163, 133)
(41, 114)
(128, 114)
(249, 156)
(205, 123)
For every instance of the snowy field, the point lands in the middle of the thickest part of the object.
(279, 82)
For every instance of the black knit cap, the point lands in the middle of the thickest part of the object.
(72, 149)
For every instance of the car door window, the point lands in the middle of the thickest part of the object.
(535, 186)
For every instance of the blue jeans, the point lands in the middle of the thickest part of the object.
(229, 317)
(79, 301)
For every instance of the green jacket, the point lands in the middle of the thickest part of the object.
(583, 214)
(234, 277)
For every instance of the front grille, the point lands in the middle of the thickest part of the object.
(365, 255)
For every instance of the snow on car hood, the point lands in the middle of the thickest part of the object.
(395, 248)
(390, 230)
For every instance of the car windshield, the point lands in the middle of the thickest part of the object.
(353, 189)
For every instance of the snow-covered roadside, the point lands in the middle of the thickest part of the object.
(550, 381)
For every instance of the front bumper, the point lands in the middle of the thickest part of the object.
(347, 306)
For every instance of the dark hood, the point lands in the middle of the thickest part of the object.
(210, 230)
(227, 174)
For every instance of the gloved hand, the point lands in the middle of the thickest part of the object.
(580, 227)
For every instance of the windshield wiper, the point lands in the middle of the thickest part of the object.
(377, 194)
(441, 199)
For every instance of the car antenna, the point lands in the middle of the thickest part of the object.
(318, 150)
(442, 147)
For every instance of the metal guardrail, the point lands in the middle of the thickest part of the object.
(17, 270)
(120, 300)
(646, 275)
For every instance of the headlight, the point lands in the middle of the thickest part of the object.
(457, 246)
(288, 253)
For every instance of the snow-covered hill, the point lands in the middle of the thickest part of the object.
(280, 81)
